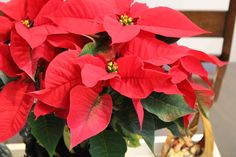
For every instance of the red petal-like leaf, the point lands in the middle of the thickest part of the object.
(14, 108)
(89, 59)
(153, 51)
(7, 65)
(91, 75)
(193, 65)
(89, 9)
(45, 51)
(34, 36)
(67, 41)
(168, 22)
(137, 9)
(42, 18)
(136, 82)
(89, 114)
(5, 28)
(15, 9)
(22, 54)
(93, 70)
(62, 74)
(123, 6)
(33, 7)
(139, 110)
(207, 58)
(42, 109)
(119, 33)
(71, 24)
(178, 74)
(88, 13)
(188, 93)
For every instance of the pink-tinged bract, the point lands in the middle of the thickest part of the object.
(89, 114)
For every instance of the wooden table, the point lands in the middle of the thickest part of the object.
(223, 114)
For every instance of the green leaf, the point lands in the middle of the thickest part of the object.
(177, 128)
(3, 77)
(133, 140)
(128, 120)
(168, 40)
(167, 107)
(89, 48)
(66, 138)
(107, 144)
(100, 44)
(47, 130)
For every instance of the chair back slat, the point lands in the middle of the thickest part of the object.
(210, 21)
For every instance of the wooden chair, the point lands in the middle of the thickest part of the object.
(221, 24)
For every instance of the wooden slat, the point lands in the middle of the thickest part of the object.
(210, 21)
(229, 30)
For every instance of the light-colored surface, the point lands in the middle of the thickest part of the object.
(216, 5)
(233, 48)
(208, 45)
(223, 114)
(142, 151)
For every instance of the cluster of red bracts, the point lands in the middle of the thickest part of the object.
(41, 41)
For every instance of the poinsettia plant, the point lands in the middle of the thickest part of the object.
(98, 74)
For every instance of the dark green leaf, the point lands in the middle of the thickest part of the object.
(128, 120)
(107, 144)
(167, 107)
(47, 130)
(168, 40)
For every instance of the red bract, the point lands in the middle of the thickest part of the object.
(91, 108)
(7, 65)
(23, 17)
(62, 75)
(123, 20)
(88, 13)
(26, 34)
(131, 79)
(64, 91)
(138, 17)
(5, 28)
(137, 82)
(15, 105)
(152, 51)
